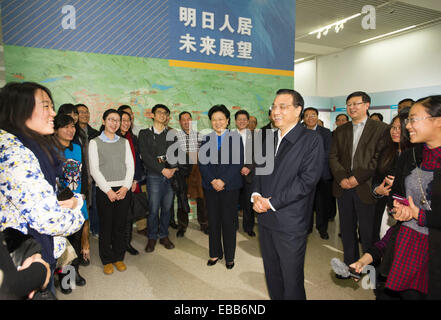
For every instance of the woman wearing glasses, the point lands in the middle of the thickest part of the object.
(385, 172)
(112, 168)
(415, 269)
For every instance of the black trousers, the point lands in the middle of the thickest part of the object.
(201, 212)
(113, 221)
(222, 214)
(75, 241)
(353, 212)
(322, 206)
(247, 207)
(283, 257)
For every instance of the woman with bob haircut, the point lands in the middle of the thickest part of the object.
(221, 157)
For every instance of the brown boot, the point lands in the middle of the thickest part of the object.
(150, 245)
(166, 243)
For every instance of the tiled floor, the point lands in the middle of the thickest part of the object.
(182, 274)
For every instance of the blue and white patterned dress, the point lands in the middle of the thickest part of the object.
(27, 198)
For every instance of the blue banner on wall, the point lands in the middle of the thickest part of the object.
(251, 33)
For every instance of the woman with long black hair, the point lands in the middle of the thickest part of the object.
(29, 166)
(415, 271)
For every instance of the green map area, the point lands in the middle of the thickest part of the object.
(106, 81)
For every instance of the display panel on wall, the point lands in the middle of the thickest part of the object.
(187, 54)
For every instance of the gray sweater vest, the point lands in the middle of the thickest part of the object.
(112, 157)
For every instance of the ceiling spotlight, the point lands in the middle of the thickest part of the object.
(325, 33)
(319, 35)
(342, 25)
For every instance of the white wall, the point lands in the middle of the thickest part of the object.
(305, 78)
(412, 60)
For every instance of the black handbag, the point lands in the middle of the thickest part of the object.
(20, 246)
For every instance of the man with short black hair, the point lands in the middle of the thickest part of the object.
(341, 119)
(353, 159)
(322, 204)
(190, 141)
(408, 102)
(153, 148)
(283, 197)
(242, 118)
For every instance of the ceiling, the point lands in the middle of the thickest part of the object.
(390, 16)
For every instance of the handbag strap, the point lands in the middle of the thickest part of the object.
(424, 199)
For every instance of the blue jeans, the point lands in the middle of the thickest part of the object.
(160, 196)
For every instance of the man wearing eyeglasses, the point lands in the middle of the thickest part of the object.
(283, 197)
(353, 159)
(153, 145)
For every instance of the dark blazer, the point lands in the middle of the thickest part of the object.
(404, 167)
(371, 143)
(326, 135)
(228, 172)
(249, 152)
(297, 169)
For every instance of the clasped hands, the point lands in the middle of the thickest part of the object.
(349, 183)
(261, 204)
(218, 184)
(120, 194)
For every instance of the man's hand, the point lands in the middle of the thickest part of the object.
(344, 184)
(218, 184)
(261, 204)
(134, 184)
(168, 173)
(353, 182)
(245, 171)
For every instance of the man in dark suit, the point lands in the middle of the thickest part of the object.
(283, 197)
(322, 204)
(242, 119)
(353, 159)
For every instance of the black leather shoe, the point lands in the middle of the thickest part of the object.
(341, 277)
(180, 233)
(251, 233)
(150, 245)
(324, 235)
(166, 243)
(84, 262)
(229, 265)
(79, 280)
(173, 225)
(132, 250)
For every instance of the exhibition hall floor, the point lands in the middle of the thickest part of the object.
(182, 273)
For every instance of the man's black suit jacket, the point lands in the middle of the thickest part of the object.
(297, 169)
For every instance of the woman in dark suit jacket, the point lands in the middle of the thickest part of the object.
(220, 160)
